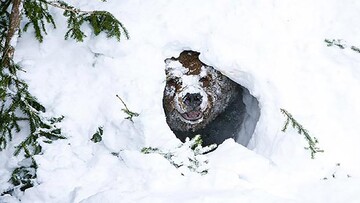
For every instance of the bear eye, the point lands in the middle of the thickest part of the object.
(204, 79)
(173, 81)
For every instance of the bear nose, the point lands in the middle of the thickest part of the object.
(193, 100)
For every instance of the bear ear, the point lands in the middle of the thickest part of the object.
(169, 60)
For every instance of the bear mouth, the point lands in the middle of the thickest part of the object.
(192, 115)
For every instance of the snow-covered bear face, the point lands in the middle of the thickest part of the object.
(195, 93)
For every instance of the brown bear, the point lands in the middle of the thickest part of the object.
(200, 100)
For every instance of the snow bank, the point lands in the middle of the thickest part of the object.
(275, 49)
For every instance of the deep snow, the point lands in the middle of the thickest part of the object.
(273, 48)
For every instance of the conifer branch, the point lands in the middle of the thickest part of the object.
(354, 48)
(301, 130)
(17, 104)
(15, 97)
(37, 14)
(341, 44)
(127, 111)
(100, 21)
(338, 42)
(194, 160)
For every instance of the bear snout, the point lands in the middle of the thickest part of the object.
(192, 100)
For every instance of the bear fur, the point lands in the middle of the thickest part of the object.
(200, 100)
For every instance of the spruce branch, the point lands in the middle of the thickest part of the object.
(335, 42)
(100, 21)
(15, 98)
(17, 104)
(354, 48)
(341, 44)
(24, 177)
(301, 130)
(37, 13)
(130, 114)
(187, 157)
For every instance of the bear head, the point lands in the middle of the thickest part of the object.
(195, 93)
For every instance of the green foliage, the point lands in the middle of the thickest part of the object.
(103, 21)
(187, 157)
(24, 176)
(37, 14)
(100, 21)
(75, 20)
(341, 44)
(338, 42)
(354, 48)
(148, 150)
(97, 137)
(130, 114)
(18, 107)
(301, 130)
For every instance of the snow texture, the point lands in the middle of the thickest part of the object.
(273, 48)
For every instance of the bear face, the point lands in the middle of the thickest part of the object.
(200, 100)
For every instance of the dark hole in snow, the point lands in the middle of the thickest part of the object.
(198, 99)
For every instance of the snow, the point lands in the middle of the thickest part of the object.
(273, 48)
(252, 115)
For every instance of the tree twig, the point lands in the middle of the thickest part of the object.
(301, 130)
(130, 114)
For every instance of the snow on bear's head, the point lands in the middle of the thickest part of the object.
(195, 93)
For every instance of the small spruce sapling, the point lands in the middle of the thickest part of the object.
(301, 130)
(130, 114)
(187, 157)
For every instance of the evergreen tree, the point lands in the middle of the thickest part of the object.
(17, 104)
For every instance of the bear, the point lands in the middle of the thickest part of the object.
(198, 99)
